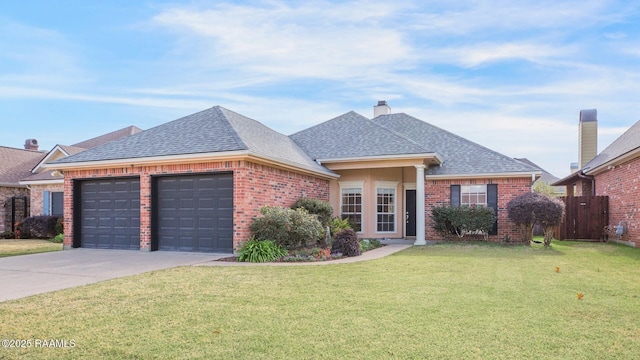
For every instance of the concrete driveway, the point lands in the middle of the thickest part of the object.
(27, 275)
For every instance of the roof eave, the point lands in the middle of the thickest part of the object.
(185, 158)
(613, 162)
(44, 160)
(518, 174)
(41, 182)
(434, 156)
(151, 160)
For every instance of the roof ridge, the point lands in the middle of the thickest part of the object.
(227, 124)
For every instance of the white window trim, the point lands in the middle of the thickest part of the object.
(354, 184)
(387, 185)
(486, 195)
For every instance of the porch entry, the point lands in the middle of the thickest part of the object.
(410, 212)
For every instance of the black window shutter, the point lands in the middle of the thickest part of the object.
(455, 195)
(492, 202)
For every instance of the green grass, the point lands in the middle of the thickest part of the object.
(445, 301)
(13, 247)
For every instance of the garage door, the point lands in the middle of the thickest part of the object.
(194, 213)
(110, 213)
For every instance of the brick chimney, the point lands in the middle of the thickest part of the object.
(381, 109)
(31, 144)
(587, 136)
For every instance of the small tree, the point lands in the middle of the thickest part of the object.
(542, 187)
(548, 214)
(520, 210)
(527, 209)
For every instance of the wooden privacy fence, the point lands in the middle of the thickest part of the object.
(585, 217)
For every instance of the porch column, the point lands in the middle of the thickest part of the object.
(420, 240)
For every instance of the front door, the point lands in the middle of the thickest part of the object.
(410, 216)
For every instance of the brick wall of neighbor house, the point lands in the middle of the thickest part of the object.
(6, 193)
(255, 186)
(37, 193)
(437, 193)
(622, 185)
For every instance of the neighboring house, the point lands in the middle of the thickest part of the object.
(195, 184)
(46, 186)
(615, 173)
(546, 178)
(14, 165)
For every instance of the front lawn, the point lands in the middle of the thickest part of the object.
(453, 301)
(13, 247)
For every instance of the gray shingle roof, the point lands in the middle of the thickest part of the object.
(460, 156)
(16, 164)
(545, 176)
(627, 142)
(353, 136)
(209, 131)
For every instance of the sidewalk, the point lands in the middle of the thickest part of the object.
(368, 255)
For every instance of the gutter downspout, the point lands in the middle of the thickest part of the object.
(593, 182)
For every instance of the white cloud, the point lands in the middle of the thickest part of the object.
(482, 53)
(317, 40)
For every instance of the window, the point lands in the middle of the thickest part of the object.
(386, 209)
(471, 195)
(53, 203)
(351, 206)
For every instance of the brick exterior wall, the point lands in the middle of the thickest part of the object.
(6, 193)
(37, 193)
(255, 186)
(622, 185)
(437, 193)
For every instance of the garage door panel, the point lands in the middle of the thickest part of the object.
(189, 212)
(110, 213)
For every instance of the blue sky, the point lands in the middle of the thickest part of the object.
(509, 75)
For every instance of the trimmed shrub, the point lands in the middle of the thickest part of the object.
(38, 227)
(260, 251)
(287, 227)
(346, 242)
(317, 207)
(463, 220)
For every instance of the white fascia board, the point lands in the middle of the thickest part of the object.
(485, 175)
(155, 160)
(152, 160)
(42, 162)
(42, 182)
(383, 157)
